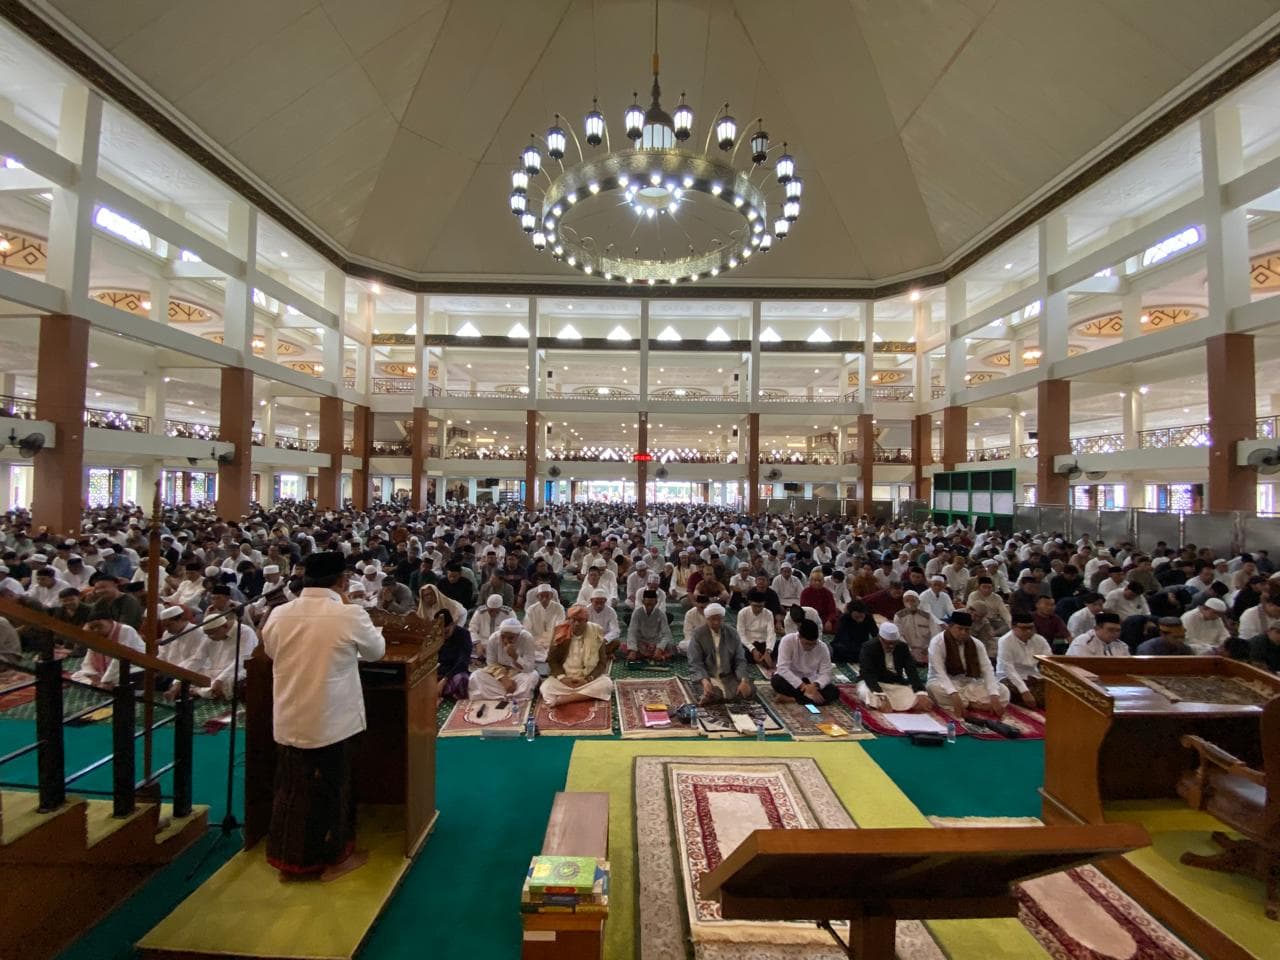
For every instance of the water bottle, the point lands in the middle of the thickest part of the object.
(760, 728)
(951, 731)
(857, 721)
(530, 729)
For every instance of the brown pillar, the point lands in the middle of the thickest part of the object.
(187, 478)
(362, 450)
(753, 463)
(1232, 406)
(329, 481)
(311, 486)
(235, 425)
(921, 454)
(1053, 438)
(955, 436)
(866, 462)
(418, 460)
(642, 466)
(62, 370)
(530, 458)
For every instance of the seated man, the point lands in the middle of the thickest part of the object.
(888, 678)
(717, 660)
(917, 626)
(649, 633)
(960, 673)
(1204, 625)
(1016, 663)
(603, 616)
(757, 630)
(595, 581)
(453, 667)
(99, 669)
(485, 622)
(394, 597)
(181, 644)
(1172, 641)
(579, 661)
(804, 668)
(856, 627)
(219, 663)
(542, 615)
(1102, 641)
(509, 672)
(1264, 650)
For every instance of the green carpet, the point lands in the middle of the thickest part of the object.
(494, 798)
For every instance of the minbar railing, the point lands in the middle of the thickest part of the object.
(116, 420)
(49, 745)
(1186, 435)
(190, 430)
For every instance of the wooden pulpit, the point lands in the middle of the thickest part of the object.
(874, 878)
(396, 761)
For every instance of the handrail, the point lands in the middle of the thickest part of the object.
(16, 611)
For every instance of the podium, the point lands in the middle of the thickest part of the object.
(874, 878)
(395, 765)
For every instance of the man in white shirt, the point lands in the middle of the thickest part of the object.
(188, 590)
(510, 671)
(804, 668)
(960, 673)
(1102, 641)
(486, 621)
(1204, 626)
(180, 643)
(219, 663)
(787, 586)
(1255, 621)
(757, 630)
(542, 616)
(838, 588)
(1082, 621)
(99, 669)
(604, 616)
(936, 600)
(1127, 601)
(45, 587)
(1016, 663)
(315, 643)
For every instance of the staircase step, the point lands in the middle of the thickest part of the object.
(101, 824)
(20, 814)
(170, 826)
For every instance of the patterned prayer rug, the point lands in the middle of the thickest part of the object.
(881, 723)
(717, 720)
(10, 697)
(471, 718)
(1029, 723)
(705, 807)
(803, 725)
(631, 697)
(1232, 691)
(1079, 914)
(580, 718)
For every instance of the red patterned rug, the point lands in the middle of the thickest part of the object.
(580, 718)
(879, 722)
(1029, 723)
(10, 697)
(1079, 914)
(631, 697)
(471, 718)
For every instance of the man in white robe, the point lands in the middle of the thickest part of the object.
(960, 673)
(181, 644)
(579, 663)
(1102, 641)
(99, 669)
(603, 616)
(542, 617)
(1016, 663)
(510, 672)
(486, 621)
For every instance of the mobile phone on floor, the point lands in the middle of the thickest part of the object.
(811, 708)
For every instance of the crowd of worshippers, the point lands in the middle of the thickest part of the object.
(544, 601)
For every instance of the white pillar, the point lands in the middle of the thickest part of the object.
(644, 353)
(867, 361)
(1226, 231)
(420, 358)
(238, 308)
(1131, 405)
(1053, 310)
(71, 210)
(471, 489)
(8, 387)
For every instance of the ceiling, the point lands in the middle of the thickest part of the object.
(920, 125)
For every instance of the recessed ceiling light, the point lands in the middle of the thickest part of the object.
(375, 289)
(285, 254)
(1008, 266)
(571, 306)
(93, 364)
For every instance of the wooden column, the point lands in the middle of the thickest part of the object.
(921, 454)
(418, 460)
(1053, 438)
(530, 458)
(955, 436)
(362, 449)
(311, 486)
(187, 477)
(866, 462)
(1232, 409)
(753, 463)
(235, 425)
(329, 479)
(62, 369)
(642, 466)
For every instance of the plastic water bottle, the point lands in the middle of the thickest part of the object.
(951, 731)
(760, 729)
(530, 729)
(857, 721)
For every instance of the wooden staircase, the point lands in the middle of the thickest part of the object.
(63, 871)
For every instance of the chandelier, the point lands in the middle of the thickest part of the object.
(656, 209)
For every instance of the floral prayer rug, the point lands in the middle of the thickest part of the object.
(879, 722)
(579, 718)
(1029, 723)
(693, 812)
(803, 725)
(632, 696)
(471, 718)
(10, 697)
(1079, 914)
(1226, 691)
(717, 720)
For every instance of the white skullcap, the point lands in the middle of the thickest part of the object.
(168, 613)
(493, 601)
(68, 542)
(356, 587)
(510, 625)
(212, 571)
(713, 610)
(598, 594)
(39, 558)
(937, 578)
(785, 566)
(1213, 603)
(545, 588)
(75, 558)
(599, 564)
(889, 631)
(990, 562)
(910, 593)
(105, 552)
(270, 568)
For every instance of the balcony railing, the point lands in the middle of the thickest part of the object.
(282, 442)
(116, 420)
(20, 408)
(434, 391)
(1187, 435)
(389, 385)
(393, 448)
(349, 383)
(1266, 428)
(937, 392)
(1031, 449)
(901, 394)
(848, 457)
(190, 430)
(1101, 443)
(800, 459)
(257, 437)
(986, 454)
(485, 453)
(893, 456)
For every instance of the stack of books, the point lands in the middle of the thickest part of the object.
(656, 715)
(566, 885)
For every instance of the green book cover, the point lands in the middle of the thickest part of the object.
(568, 874)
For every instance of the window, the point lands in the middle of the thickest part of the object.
(718, 335)
(819, 336)
(669, 334)
(1171, 245)
(468, 329)
(518, 331)
(618, 333)
(567, 332)
(188, 257)
(122, 227)
(769, 335)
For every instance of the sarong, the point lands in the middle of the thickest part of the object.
(313, 810)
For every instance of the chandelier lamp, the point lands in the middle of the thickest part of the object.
(656, 208)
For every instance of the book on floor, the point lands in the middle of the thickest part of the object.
(656, 715)
(566, 875)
